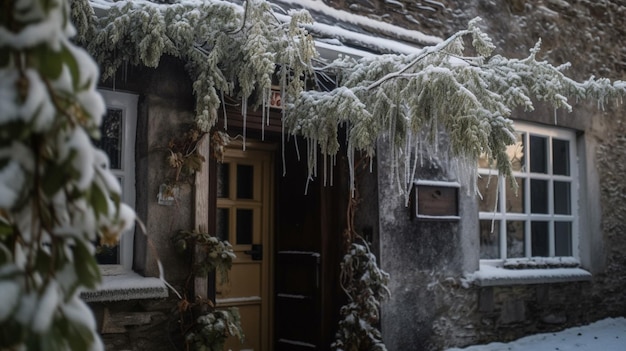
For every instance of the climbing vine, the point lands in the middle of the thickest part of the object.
(204, 327)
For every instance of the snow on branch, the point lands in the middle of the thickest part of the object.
(461, 90)
(223, 44)
(464, 92)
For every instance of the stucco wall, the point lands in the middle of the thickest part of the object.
(165, 109)
(430, 308)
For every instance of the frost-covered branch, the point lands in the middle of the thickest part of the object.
(466, 93)
(223, 45)
(57, 194)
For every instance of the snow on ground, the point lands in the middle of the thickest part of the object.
(605, 335)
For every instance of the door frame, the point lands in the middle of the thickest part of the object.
(205, 220)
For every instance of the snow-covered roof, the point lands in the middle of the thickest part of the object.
(336, 31)
(358, 31)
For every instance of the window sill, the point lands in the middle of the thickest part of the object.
(119, 284)
(488, 275)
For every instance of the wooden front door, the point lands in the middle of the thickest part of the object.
(244, 218)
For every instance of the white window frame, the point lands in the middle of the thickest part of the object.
(128, 104)
(500, 215)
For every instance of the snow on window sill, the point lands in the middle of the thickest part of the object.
(119, 284)
(490, 275)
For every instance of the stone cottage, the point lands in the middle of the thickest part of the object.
(464, 269)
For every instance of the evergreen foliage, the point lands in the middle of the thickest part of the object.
(227, 49)
(57, 194)
(212, 329)
(467, 92)
(365, 284)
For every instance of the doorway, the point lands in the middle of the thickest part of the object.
(244, 217)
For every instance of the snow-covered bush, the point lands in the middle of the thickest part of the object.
(365, 285)
(212, 329)
(57, 195)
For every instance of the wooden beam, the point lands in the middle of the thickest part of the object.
(201, 217)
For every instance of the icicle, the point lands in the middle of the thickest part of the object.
(295, 140)
(495, 205)
(414, 168)
(421, 146)
(306, 186)
(263, 115)
(555, 121)
(224, 110)
(351, 167)
(126, 71)
(269, 98)
(244, 113)
(392, 149)
(332, 168)
(114, 75)
(325, 169)
(282, 141)
(407, 161)
(371, 164)
(310, 159)
(314, 152)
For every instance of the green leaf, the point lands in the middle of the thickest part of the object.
(5, 57)
(51, 341)
(11, 334)
(70, 61)
(43, 261)
(86, 266)
(6, 230)
(56, 178)
(98, 200)
(50, 63)
(76, 335)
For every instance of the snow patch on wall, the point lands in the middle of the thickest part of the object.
(489, 275)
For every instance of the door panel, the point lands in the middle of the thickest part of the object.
(308, 251)
(297, 295)
(243, 217)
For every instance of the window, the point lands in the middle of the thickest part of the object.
(118, 141)
(540, 220)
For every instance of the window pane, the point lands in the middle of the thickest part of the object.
(244, 226)
(538, 159)
(245, 182)
(560, 157)
(488, 187)
(539, 239)
(516, 153)
(107, 254)
(515, 202)
(111, 137)
(562, 201)
(223, 179)
(486, 162)
(563, 239)
(222, 223)
(515, 239)
(538, 196)
(489, 240)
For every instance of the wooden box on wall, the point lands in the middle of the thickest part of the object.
(436, 200)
